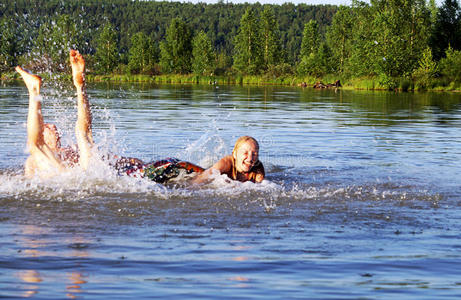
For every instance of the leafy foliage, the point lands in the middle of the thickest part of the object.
(310, 41)
(339, 36)
(316, 55)
(8, 45)
(384, 39)
(450, 66)
(248, 52)
(107, 55)
(219, 21)
(176, 50)
(427, 69)
(142, 55)
(392, 40)
(203, 55)
(401, 32)
(272, 51)
(447, 28)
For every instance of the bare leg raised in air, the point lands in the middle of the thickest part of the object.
(83, 126)
(41, 158)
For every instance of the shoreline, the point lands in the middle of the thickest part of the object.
(369, 84)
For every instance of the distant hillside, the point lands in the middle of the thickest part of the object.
(220, 21)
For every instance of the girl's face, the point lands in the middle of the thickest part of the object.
(51, 136)
(246, 156)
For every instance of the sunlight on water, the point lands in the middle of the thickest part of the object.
(287, 182)
(361, 197)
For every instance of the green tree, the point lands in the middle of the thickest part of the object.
(271, 37)
(363, 44)
(309, 63)
(323, 57)
(311, 40)
(8, 45)
(142, 55)
(107, 55)
(450, 65)
(388, 38)
(447, 28)
(220, 21)
(55, 39)
(223, 63)
(318, 63)
(176, 50)
(339, 36)
(203, 56)
(248, 52)
(401, 30)
(433, 21)
(434, 11)
(427, 69)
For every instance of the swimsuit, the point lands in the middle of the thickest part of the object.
(159, 171)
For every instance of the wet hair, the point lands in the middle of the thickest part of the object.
(51, 128)
(243, 139)
(240, 141)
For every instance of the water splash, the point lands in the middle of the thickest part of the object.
(285, 188)
(206, 150)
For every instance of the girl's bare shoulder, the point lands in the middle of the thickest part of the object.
(224, 164)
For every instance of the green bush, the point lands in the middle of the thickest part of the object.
(276, 71)
(424, 75)
(450, 66)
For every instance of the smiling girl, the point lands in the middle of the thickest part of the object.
(243, 165)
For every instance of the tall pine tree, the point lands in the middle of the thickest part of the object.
(339, 36)
(248, 51)
(309, 63)
(176, 49)
(203, 56)
(447, 29)
(142, 55)
(56, 37)
(401, 30)
(310, 42)
(106, 56)
(8, 45)
(271, 37)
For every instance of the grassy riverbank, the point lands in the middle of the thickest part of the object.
(366, 83)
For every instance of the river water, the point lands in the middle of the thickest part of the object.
(362, 198)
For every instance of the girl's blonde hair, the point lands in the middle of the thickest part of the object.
(240, 141)
(243, 139)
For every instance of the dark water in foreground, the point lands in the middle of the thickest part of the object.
(362, 198)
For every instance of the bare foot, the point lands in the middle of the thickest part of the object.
(33, 82)
(78, 68)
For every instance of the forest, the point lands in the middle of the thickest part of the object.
(380, 44)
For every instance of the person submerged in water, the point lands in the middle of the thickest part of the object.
(242, 165)
(48, 158)
(52, 138)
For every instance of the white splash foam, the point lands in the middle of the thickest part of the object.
(76, 183)
(206, 151)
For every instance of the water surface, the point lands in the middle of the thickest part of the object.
(361, 201)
